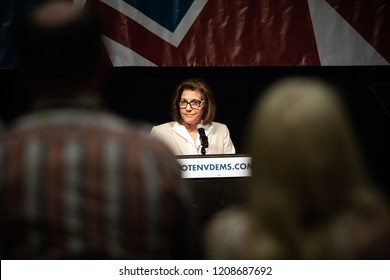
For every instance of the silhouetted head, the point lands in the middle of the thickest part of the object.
(304, 148)
(59, 44)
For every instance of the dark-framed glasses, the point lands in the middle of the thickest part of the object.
(195, 104)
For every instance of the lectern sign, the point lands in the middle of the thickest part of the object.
(215, 166)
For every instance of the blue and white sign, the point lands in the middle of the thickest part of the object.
(215, 167)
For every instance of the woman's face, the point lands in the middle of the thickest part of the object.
(191, 116)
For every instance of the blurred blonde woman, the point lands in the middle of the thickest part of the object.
(310, 196)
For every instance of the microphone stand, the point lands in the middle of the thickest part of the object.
(203, 138)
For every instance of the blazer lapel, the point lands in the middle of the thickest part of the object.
(181, 143)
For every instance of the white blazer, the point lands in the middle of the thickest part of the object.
(180, 141)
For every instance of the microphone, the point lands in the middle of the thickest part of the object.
(203, 138)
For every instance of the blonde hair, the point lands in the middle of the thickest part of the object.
(306, 163)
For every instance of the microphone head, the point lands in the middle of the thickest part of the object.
(199, 126)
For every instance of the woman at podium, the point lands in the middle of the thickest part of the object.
(193, 130)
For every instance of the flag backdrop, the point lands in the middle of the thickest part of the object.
(239, 32)
(246, 32)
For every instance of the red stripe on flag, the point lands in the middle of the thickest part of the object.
(131, 34)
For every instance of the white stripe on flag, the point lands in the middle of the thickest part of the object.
(123, 56)
(338, 43)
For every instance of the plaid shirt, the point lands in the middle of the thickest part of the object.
(81, 183)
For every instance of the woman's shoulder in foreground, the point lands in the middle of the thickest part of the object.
(164, 125)
(218, 124)
(220, 127)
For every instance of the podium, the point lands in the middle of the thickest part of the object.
(216, 181)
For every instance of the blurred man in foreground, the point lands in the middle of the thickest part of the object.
(77, 181)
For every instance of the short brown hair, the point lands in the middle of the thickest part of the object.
(207, 96)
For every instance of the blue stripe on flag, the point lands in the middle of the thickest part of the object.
(167, 13)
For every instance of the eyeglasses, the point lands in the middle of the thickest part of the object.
(195, 104)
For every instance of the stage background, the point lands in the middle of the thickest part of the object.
(143, 94)
(239, 47)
